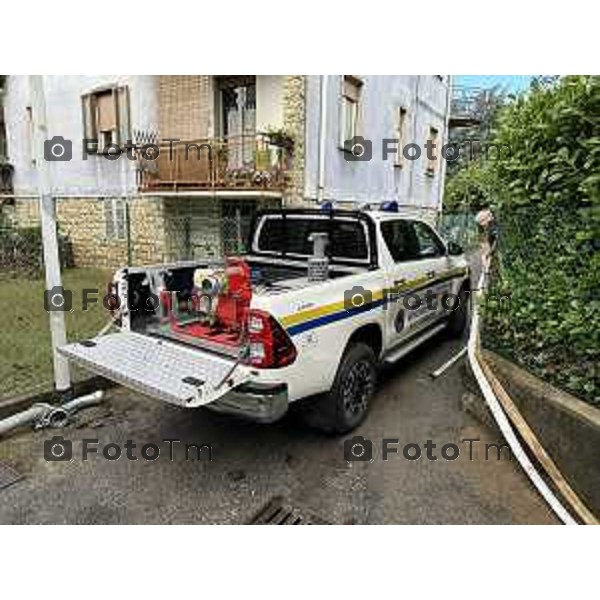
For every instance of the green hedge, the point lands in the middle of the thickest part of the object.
(550, 267)
(547, 202)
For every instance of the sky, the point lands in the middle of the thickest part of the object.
(511, 83)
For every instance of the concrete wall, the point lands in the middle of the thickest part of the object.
(64, 118)
(423, 96)
(568, 428)
(269, 101)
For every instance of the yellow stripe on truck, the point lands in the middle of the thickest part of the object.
(321, 311)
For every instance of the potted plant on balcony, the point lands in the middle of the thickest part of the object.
(280, 137)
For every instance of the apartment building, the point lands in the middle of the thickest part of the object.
(199, 154)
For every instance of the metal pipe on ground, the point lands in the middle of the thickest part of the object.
(24, 418)
(441, 370)
(47, 415)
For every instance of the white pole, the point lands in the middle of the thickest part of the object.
(62, 377)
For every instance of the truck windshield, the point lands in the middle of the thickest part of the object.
(290, 236)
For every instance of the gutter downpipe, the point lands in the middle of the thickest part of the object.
(415, 122)
(322, 139)
(445, 140)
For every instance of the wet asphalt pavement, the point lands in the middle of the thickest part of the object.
(253, 463)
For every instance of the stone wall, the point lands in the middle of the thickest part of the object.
(148, 233)
(143, 243)
(24, 213)
(157, 229)
(294, 118)
(82, 221)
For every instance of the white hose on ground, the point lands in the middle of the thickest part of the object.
(503, 422)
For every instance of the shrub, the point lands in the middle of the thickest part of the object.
(21, 250)
(546, 197)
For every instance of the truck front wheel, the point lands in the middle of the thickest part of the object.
(459, 317)
(347, 404)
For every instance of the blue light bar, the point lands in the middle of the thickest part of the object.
(389, 206)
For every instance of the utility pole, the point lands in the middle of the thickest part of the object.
(62, 377)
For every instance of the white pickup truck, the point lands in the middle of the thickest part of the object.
(321, 298)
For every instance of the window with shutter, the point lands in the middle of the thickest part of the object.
(351, 92)
(106, 118)
(90, 132)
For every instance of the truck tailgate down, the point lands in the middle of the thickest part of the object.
(158, 368)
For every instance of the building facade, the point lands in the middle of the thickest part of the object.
(167, 168)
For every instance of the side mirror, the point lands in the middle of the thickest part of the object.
(454, 249)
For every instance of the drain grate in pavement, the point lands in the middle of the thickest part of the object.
(8, 475)
(279, 512)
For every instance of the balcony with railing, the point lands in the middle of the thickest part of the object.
(252, 162)
(465, 106)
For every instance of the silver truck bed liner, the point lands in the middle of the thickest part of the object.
(158, 368)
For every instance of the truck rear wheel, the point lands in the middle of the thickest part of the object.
(347, 404)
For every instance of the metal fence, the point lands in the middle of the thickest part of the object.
(460, 227)
(25, 331)
(547, 262)
(96, 235)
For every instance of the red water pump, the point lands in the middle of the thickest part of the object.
(234, 301)
(218, 307)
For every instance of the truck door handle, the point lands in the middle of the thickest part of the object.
(430, 274)
(399, 282)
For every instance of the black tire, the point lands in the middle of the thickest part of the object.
(459, 318)
(346, 406)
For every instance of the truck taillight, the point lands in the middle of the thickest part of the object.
(269, 346)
